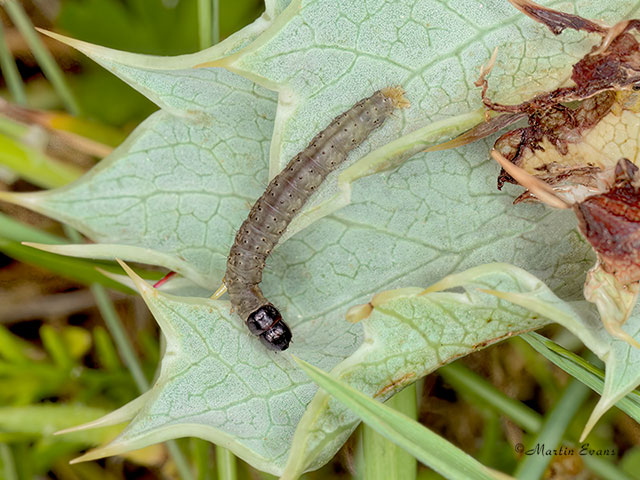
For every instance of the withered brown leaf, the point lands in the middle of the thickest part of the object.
(580, 150)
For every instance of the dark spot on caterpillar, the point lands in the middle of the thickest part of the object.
(293, 187)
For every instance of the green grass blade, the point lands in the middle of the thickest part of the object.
(13, 128)
(216, 21)
(226, 464)
(11, 229)
(56, 347)
(553, 429)
(12, 233)
(581, 370)
(202, 458)
(422, 443)
(467, 382)
(205, 23)
(10, 71)
(8, 465)
(82, 271)
(491, 437)
(184, 469)
(13, 348)
(88, 130)
(106, 352)
(35, 166)
(44, 58)
(537, 367)
(383, 459)
(114, 325)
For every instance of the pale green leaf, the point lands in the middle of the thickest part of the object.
(183, 182)
(433, 49)
(217, 382)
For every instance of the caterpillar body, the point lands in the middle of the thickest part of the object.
(284, 197)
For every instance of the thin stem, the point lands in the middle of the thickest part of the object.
(205, 23)
(44, 58)
(119, 335)
(10, 71)
(466, 381)
(216, 21)
(184, 469)
(553, 430)
(226, 462)
(202, 458)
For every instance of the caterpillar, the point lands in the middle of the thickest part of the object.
(283, 198)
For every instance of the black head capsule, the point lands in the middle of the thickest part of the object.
(263, 319)
(267, 323)
(277, 337)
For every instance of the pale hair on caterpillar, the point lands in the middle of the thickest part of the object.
(283, 198)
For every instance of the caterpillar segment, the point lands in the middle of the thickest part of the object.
(283, 198)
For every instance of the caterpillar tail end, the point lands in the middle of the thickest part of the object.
(396, 95)
(266, 323)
